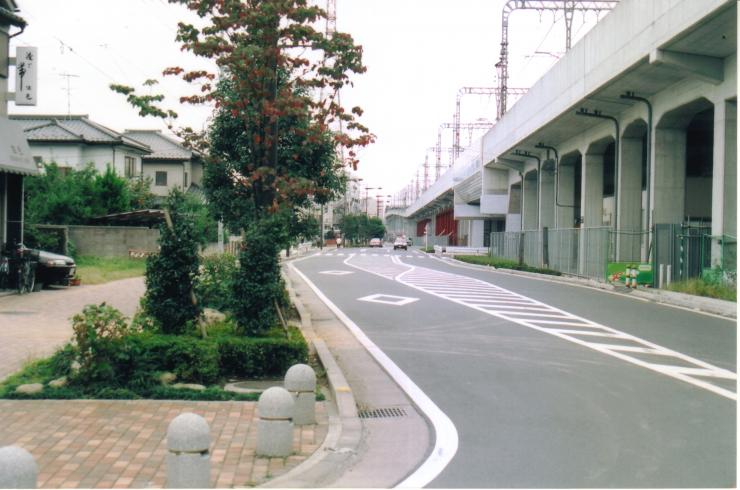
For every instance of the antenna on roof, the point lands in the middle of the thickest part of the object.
(69, 90)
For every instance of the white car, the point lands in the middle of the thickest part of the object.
(400, 243)
(376, 242)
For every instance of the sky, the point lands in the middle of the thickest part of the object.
(418, 53)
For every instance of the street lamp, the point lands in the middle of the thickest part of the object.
(367, 195)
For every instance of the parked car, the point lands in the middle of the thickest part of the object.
(54, 269)
(376, 242)
(409, 242)
(400, 243)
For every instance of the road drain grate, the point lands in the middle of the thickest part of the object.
(381, 413)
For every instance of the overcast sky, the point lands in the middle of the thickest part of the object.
(418, 54)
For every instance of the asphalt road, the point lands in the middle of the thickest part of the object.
(548, 385)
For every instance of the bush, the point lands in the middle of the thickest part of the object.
(98, 332)
(500, 263)
(259, 358)
(215, 281)
(171, 273)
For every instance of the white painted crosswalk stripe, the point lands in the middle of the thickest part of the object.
(531, 313)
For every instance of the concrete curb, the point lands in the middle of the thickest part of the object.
(714, 306)
(345, 429)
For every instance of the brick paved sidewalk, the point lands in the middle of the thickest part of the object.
(122, 444)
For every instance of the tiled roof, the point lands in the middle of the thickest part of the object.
(163, 147)
(70, 129)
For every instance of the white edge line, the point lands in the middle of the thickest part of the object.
(445, 441)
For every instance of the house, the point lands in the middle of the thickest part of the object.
(169, 164)
(76, 141)
(15, 155)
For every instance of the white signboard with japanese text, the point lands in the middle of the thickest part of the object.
(26, 75)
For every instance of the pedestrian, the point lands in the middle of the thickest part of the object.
(339, 242)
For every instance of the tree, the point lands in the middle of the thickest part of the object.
(171, 273)
(270, 149)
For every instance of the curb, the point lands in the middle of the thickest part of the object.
(345, 429)
(727, 309)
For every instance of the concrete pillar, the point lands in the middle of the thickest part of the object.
(724, 176)
(530, 201)
(275, 424)
(592, 190)
(669, 175)
(188, 458)
(300, 381)
(547, 198)
(630, 199)
(18, 469)
(566, 180)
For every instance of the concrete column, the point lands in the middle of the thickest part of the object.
(669, 175)
(566, 179)
(724, 175)
(530, 201)
(547, 199)
(630, 198)
(592, 190)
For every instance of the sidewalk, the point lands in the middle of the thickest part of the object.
(122, 444)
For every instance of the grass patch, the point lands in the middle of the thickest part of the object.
(699, 287)
(429, 250)
(98, 270)
(500, 263)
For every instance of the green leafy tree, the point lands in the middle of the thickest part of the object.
(270, 148)
(170, 274)
(375, 228)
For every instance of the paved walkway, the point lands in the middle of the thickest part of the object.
(35, 325)
(119, 444)
(122, 444)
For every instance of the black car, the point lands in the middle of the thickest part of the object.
(54, 269)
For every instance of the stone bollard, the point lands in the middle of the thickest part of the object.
(300, 381)
(275, 424)
(17, 468)
(188, 457)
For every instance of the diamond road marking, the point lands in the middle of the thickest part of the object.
(336, 273)
(392, 300)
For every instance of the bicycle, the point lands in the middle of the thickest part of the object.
(22, 267)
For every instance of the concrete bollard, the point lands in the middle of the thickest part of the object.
(17, 468)
(275, 424)
(188, 456)
(300, 381)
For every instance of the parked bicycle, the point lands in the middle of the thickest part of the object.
(18, 268)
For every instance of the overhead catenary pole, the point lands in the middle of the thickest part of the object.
(567, 6)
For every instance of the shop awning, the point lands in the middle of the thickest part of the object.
(15, 155)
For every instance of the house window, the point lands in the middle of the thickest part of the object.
(129, 166)
(160, 178)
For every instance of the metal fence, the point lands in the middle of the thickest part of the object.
(686, 250)
(577, 251)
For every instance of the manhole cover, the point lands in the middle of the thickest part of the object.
(381, 413)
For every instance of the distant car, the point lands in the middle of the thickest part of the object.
(54, 269)
(376, 242)
(409, 242)
(400, 243)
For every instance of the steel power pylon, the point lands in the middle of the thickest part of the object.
(457, 126)
(456, 148)
(567, 6)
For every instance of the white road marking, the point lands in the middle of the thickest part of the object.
(445, 440)
(437, 283)
(336, 273)
(395, 300)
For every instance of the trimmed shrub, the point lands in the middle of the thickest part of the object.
(215, 281)
(171, 273)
